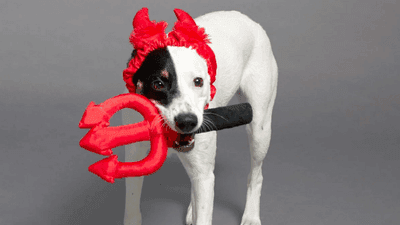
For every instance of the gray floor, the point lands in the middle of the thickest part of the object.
(334, 156)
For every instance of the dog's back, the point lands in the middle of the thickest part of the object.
(239, 44)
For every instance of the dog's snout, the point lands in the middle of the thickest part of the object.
(186, 122)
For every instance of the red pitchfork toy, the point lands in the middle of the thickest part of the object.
(101, 138)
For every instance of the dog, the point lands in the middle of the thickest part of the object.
(176, 80)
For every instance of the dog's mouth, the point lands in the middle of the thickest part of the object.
(184, 142)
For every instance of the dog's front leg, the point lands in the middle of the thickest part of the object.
(133, 152)
(199, 164)
(133, 185)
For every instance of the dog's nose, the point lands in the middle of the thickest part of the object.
(186, 122)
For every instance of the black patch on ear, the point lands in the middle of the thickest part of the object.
(151, 70)
(132, 56)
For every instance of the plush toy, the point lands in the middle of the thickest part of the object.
(101, 138)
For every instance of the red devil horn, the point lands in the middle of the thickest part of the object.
(141, 18)
(184, 17)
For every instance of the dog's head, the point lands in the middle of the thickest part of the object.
(175, 70)
(176, 80)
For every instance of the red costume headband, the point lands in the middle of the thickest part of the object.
(149, 35)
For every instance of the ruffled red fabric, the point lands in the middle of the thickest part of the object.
(149, 35)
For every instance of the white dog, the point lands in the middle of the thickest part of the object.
(176, 79)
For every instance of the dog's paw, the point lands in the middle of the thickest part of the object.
(246, 220)
(189, 217)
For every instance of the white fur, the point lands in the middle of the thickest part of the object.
(245, 60)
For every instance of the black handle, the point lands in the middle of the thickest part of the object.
(226, 117)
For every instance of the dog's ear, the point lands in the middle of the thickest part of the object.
(133, 54)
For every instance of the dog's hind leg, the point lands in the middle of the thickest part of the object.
(259, 87)
(133, 152)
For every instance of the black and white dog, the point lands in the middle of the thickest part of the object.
(176, 79)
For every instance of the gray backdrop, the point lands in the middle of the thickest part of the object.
(334, 156)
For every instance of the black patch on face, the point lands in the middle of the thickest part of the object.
(150, 72)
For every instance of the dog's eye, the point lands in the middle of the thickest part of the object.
(198, 82)
(158, 85)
